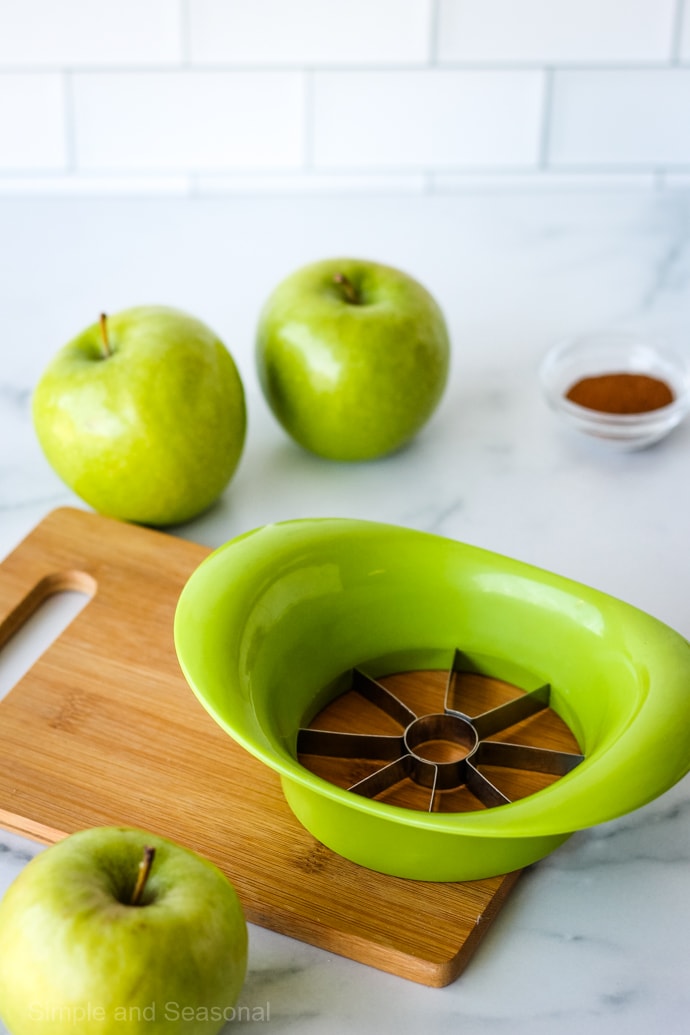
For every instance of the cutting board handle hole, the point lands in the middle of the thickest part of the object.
(38, 620)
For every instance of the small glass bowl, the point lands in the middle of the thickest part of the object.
(609, 353)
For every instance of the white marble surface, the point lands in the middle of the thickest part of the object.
(597, 937)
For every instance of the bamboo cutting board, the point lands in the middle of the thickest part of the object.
(104, 730)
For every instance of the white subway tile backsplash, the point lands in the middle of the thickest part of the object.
(412, 120)
(620, 117)
(72, 33)
(32, 123)
(310, 32)
(555, 30)
(200, 120)
(224, 96)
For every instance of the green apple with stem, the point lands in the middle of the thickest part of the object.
(143, 415)
(115, 931)
(352, 356)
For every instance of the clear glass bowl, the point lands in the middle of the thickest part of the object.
(607, 353)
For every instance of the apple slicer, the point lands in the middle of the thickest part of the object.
(434, 711)
(437, 751)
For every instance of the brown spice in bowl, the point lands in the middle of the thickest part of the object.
(621, 393)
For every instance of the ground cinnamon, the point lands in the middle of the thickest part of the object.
(621, 393)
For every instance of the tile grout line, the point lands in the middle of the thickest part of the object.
(546, 119)
(185, 34)
(434, 30)
(218, 67)
(308, 148)
(677, 32)
(195, 185)
(70, 128)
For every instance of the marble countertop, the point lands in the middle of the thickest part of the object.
(595, 938)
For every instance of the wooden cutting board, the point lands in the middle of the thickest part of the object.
(104, 730)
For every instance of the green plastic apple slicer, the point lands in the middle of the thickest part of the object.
(278, 625)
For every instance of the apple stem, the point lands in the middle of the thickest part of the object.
(349, 291)
(142, 875)
(107, 351)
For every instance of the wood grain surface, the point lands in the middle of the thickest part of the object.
(103, 729)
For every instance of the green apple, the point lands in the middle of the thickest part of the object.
(117, 932)
(143, 415)
(352, 357)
